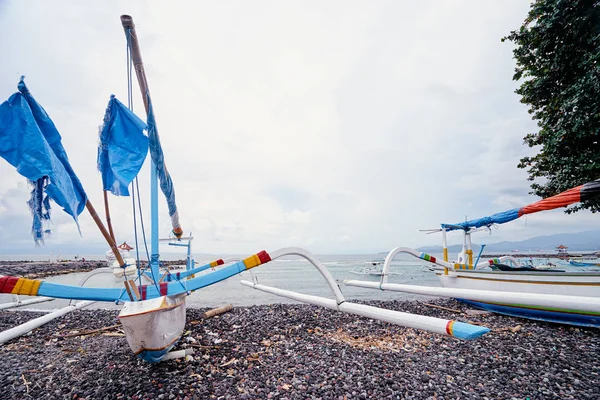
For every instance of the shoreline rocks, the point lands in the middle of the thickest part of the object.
(42, 269)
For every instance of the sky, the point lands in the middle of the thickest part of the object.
(338, 126)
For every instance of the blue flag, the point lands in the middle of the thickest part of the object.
(166, 183)
(30, 142)
(123, 147)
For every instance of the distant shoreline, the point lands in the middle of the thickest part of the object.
(42, 269)
(536, 255)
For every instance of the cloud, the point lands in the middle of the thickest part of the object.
(343, 127)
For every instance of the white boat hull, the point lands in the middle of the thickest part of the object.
(578, 284)
(153, 327)
(561, 283)
(553, 296)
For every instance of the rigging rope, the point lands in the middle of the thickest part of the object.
(135, 235)
(142, 219)
(135, 191)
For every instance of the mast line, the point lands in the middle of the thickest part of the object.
(136, 56)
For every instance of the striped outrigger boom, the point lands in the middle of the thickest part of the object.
(427, 257)
(577, 194)
(24, 286)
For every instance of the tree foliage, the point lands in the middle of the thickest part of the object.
(558, 63)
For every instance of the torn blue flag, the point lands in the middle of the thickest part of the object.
(30, 142)
(123, 147)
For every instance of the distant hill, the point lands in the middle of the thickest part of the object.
(581, 241)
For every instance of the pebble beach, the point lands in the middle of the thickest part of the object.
(42, 269)
(291, 351)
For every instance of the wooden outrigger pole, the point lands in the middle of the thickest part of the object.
(108, 220)
(130, 285)
(107, 236)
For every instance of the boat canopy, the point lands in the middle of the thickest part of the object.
(577, 194)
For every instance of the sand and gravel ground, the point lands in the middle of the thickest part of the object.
(304, 352)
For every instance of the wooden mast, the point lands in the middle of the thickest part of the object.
(138, 64)
(136, 56)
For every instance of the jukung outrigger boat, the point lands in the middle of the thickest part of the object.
(153, 298)
(570, 297)
(590, 263)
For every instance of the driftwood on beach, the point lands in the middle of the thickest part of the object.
(218, 311)
(91, 331)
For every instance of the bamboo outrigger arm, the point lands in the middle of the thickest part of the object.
(20, 303)
(22, 329)
(448, 266)
(338, 303)
(446, 327)
(559, 302)
(105, 233)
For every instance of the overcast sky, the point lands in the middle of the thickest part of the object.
(339, 126)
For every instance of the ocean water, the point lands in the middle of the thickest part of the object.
(292, 273)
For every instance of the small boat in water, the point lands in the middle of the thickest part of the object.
(529, 265)
(589, 263)
(373, 268)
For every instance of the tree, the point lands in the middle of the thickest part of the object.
(558, 62)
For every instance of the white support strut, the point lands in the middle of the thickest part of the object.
(437, 325)
(392, 254)
(21, 303)
(22, 329)
(580, 303)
